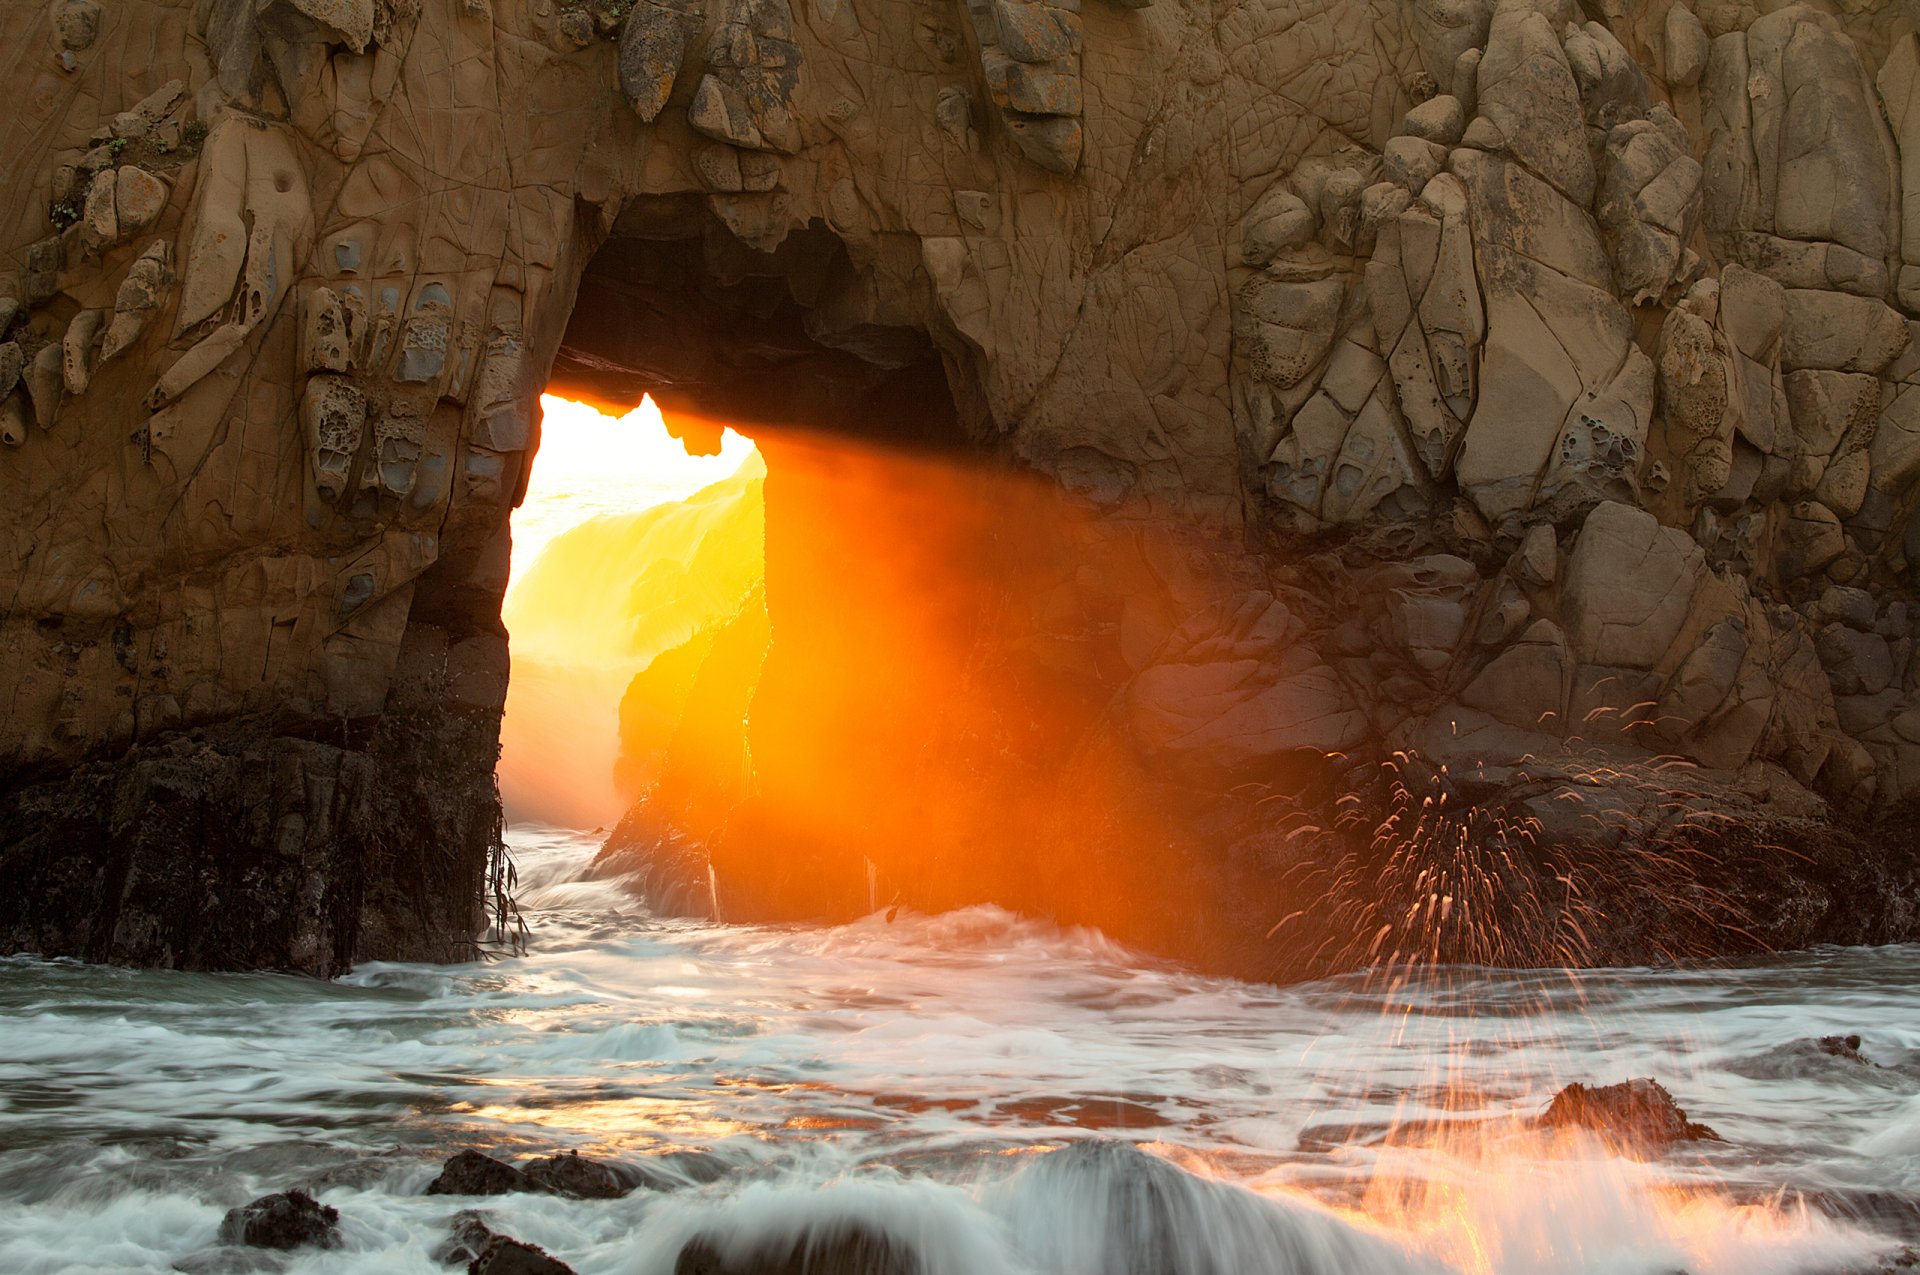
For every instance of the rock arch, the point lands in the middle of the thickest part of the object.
(1436, 325)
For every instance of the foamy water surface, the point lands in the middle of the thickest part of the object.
(913, 1074)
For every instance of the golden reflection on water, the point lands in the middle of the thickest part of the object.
(648, 1122)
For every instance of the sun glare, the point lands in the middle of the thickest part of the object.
(624, 547)
(590, 463)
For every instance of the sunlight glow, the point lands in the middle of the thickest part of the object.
(625, 547)
(591, 463)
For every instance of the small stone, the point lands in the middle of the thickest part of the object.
(759, 171)
(44, 384)
(138, 199)
(715, 112)
(290, 1220)
(718, 168)
(1851, 607)
(1053, 142)
(159, 104)
(1050, 89)
(1847, 1047)
(1483, 135)
(953, 112)
(76, 23)
(13, 421)
(1438, 119)
(100, 218)
(1411, 162)
(1811, 538)
(574, 30)
(76, 349)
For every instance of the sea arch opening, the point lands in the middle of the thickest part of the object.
(915, 705)
(646, 628)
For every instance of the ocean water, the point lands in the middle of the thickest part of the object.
(985, 1093)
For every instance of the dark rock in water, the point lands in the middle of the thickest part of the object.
(1636, 1114)
(584, 1179)
(504, 1256)
(471, 1173)
(1812, 1056)
(1847, 1047)
(576, 1176)
(837, 1248)
(290, 1220)
(467, 1238)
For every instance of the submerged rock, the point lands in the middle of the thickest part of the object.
(1638, 1115)
(232, 1261)
(1812, 1056)
(467, 1238)
(838, 1248)
(292, 1219)
(1847, 1047)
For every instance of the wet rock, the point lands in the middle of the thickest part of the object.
(1638, 1115)
(838, 1248)
(584, 1179)
(471, 1173)
(505, 1256)
(1812, 1057)
(1847, 1047)
(292, 1219)
(467, 1238)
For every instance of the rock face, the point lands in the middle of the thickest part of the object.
(1527, 392)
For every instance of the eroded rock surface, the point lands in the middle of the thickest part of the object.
(1530, 391)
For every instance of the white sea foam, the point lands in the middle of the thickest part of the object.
(908, 1075)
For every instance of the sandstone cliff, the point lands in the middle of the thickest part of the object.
(1528, 380)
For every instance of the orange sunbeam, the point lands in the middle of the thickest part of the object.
(624, 546)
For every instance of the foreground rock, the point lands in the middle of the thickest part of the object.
(1637, 1115)
(292, 1219)
(504, 1256)
(836, 1249)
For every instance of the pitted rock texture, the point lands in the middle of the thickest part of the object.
(1585, 342)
